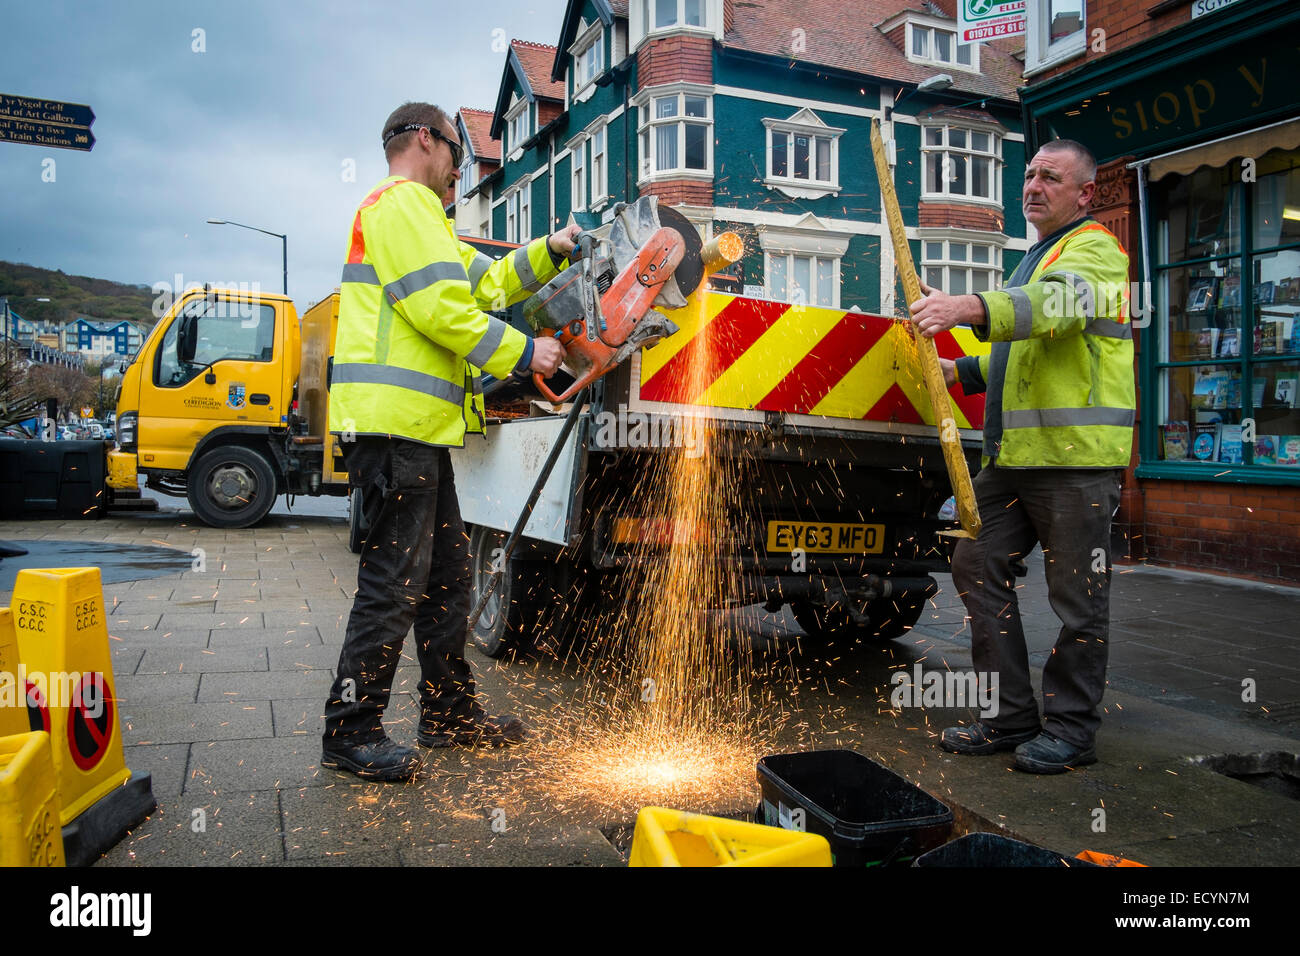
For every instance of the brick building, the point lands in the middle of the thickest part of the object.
(755, 118)
(1191, 107)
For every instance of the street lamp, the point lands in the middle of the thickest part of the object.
(284, 240)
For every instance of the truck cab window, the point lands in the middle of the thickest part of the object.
(224, 330)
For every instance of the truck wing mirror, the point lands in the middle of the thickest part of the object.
(186, 337)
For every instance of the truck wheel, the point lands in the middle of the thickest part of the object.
(510, 619)
(358, 527)
(888, 618)
(231, 487)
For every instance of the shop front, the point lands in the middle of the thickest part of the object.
(1198, 136)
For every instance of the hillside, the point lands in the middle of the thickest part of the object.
(71, 296)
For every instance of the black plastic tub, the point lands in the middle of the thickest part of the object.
(991, 849)
(870, 815)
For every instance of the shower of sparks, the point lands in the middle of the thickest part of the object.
(666, 713)
(669, 710)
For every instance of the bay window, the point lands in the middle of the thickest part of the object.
(962, 163)
(676, 134)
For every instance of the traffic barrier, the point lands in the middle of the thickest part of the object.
(62, 634)
(13, 697)
(29, 802)
(666, 837)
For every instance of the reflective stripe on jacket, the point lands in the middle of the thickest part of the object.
(1068, 395)
(412, 333)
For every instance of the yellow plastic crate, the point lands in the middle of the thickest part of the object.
(666, 837)
(30, 834)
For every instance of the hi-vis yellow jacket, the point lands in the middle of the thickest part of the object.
(1067, 397)
(412, 335)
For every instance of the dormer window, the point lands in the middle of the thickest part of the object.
(588, 57)
(928, 43)
(519, 125)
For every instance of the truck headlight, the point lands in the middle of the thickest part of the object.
(126, 430)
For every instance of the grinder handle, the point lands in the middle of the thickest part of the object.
(564, 337)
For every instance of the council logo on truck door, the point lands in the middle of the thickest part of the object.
(235, 397)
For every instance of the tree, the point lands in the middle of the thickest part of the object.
(17, 402)
(70, 387)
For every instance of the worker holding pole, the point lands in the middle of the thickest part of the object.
(1058, 432)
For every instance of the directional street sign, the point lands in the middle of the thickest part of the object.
(38, 122)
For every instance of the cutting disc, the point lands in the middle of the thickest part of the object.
(690, 272)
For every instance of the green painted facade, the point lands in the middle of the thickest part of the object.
(739, 156)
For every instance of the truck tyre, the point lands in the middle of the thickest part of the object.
(231, 487)
(358, 527)
(888, 618)
(510, 619)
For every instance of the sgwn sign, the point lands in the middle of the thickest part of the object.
(980, 20)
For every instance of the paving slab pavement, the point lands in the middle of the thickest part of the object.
(222, 675)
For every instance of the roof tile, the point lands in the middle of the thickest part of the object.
(771, 26)
(479, 124)
(536, 59)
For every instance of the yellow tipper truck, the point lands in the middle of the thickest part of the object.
(226, 404)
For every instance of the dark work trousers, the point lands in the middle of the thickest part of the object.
(414, 571)
(1069, 512)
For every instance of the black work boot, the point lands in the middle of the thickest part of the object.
(371, 759)
(480, 729)
(979, 739)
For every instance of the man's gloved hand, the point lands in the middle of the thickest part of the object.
(562, 243)
(548, 353)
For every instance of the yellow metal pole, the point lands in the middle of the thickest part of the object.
(949, 440)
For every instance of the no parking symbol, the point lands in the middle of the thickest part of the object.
(90, 721)
(38, 712)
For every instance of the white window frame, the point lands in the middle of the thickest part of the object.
(947, 263)
(1040, 52)
(995, 155)
(525, 211)
(810, 239)
(591, 40)
(813, 260)
(578, 175)
(803, 123)
(915, 24)
(467, 178)
(512, 217)
(647, 125)
(599, 183)
(517, 133)
(641, 14)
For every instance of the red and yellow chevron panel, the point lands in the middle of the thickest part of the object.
(735, 352)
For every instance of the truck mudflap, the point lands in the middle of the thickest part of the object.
(494, 476)
(122, 473)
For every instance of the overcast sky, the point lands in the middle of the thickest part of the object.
(255, 129)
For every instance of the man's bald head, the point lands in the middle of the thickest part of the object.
(1085, 162)
(424, 114)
